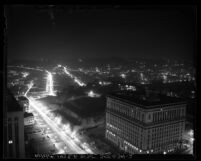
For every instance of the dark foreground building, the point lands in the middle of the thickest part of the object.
(144, 124)
(24, 102)
(13, 129)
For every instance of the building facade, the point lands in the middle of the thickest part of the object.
(24, 102)
(144, 126)
(13, 129)
(28, 119)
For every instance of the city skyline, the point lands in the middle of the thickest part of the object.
(100, 80)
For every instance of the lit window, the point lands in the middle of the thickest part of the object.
(149, 116)
(10, 142)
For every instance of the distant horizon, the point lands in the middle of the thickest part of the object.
(161, 32)
(83, 59)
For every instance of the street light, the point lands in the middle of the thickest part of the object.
(191, 133)
(10, 142)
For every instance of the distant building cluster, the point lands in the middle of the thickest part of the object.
(127, 87)
(138, 120)
(144, 72)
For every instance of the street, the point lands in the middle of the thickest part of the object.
(70, 143)
(75, 149)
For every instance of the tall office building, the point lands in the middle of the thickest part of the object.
(143, 123)
(13, 129)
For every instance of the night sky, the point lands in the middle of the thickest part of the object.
(75, 32)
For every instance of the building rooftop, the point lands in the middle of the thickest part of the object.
(145, 100)
(11, 103)
(26, 114)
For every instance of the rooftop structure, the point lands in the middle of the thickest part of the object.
(145, 100)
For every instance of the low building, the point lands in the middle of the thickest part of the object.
(139, 124)
(28, 119)
(24, 102)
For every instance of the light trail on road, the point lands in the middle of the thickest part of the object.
(66, 139)
(29, 87)
(67, 136)
(49, 84)
(74, 78)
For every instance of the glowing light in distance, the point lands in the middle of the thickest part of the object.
(142, 76)
(10, 142)
(191, 133)
(27, 68)
(104, 83)
(29, 87)
(123, 75)
(49, 84)
(92, 94)
(73, 77)
(25, 74)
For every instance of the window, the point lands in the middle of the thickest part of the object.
(10, 137)
(182, 112)
(159, 116)
(143, 117)
(16, 137)
(149, 116)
